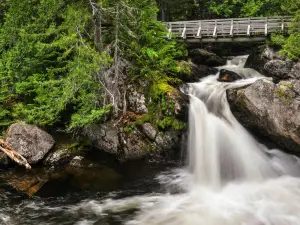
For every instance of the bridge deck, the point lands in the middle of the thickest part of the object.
(226, 30)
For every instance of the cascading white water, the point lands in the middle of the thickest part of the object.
(220, 149)
(231, 178)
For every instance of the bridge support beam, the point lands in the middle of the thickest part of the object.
(220, 40)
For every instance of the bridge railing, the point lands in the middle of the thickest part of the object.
(236, 27)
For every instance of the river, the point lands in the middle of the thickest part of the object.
(229, 179)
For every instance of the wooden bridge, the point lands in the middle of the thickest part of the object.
(228, 30)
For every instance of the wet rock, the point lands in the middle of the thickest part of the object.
(104, 137)
(30, 141)
(134, 146)
(58, 157)
(272, 110)
(197, 72)
(204, 57)
(4, 160)
(228, 76)
(168, 141)
(149, 131)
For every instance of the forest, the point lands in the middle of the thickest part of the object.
(61, 60)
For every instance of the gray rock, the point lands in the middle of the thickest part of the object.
(272, 64)
(149, 131)
(134, 146)
(30, 141)
(104, 137)
(168, 141)
(271, 109)
(295, 73)
(79, 161)
(59, 156)
(278, 69)
(136, 99)
(256, 61)
(197, 72)
(204, 57)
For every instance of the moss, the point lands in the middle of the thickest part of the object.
(283, 92)
(129, 128)
(78, 146)
(170, 121)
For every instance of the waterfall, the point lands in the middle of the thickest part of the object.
(220, 149)
(231, 179)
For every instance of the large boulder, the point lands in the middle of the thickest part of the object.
(270, 63)
(295, 72)
(204, 57)
(278, 69)
(29, 141)
(272, 110)
(105, 137)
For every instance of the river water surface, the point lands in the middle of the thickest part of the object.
(229, 179)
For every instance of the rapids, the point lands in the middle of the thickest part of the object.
(230, 178)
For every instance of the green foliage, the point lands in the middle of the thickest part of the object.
(152, 57)
(48, 64)
(52, 66)
(292, 47)
(169, 121)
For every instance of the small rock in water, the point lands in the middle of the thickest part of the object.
(228, 76)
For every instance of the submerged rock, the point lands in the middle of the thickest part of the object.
(272, 110)
(4, 160)
(228, 76)
(29, 141)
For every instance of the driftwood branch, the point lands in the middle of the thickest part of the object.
(4, 147)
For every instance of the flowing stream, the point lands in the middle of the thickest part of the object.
(230, 179)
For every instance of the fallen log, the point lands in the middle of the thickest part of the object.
(15, 156)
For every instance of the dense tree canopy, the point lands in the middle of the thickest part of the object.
(55, 54)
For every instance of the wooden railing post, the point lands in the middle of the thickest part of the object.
(183, 35)
(199, 30)
(170, 31)
(231, 29)
(249, 27)
(215, 30)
